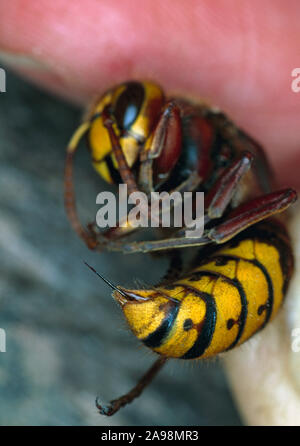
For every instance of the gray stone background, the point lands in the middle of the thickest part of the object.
(66, 339)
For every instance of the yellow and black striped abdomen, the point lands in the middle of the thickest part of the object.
(220, 303)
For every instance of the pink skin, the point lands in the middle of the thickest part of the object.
(237, 55)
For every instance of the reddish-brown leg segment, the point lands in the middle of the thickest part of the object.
(252, 212)
(241, 218)
(221, 195)
(167, 136)
(164, 148)
(167, 139)
(216, 204)
(146, 379)
(69, 196)
(88, 235)
(124, 170)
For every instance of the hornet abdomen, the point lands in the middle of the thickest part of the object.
(230, 295)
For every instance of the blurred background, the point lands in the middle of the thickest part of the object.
(66, 339)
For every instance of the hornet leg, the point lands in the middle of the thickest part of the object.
(116, 405)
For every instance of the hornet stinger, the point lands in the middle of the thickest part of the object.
(242, 263)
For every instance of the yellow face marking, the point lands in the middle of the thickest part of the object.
(98, 136)
(153, 98)
(99, 140)
(103, 170)
(130, 148)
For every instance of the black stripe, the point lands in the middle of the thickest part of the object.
(156, 338)
(205, 335)
(270, 232)
(244, 304)
(273, 233)
(114, 173)
(270, 302)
